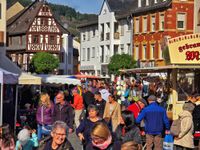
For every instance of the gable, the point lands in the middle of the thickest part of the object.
(105, 8)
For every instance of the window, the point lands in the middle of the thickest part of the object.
(83, 54)
(160, 51)
(139, 3)
(162, 25)
(181, 21)
(145, 24)
(69, 57)
(137, 25)
(153, 23)
(144, 52)
(44, 21)
(122, 48)
(93, 52)
(35, 39)
(84, 36)
(129, 25)
(129, 49)
(147, 2)
(93, 32)
(152, 51)
(136, 52)
(61, 57)
(88, 54)
(122, 29)
(88, 35)
(52, 39)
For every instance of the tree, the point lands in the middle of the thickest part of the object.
(44, 62)
(123, 61)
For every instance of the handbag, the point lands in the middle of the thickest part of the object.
(168, 142)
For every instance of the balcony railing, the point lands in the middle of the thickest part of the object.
(116, 35)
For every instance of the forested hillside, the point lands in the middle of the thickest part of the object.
(66, 15)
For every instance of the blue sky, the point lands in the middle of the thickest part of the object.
(83, 6)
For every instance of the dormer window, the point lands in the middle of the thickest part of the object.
(147, 2)
(139, 3)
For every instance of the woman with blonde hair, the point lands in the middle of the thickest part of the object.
(44, 115)
(102, 138)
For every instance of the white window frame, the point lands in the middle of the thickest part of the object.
(162, 22)
(88, 54)
(83, 54)
(144, 25)
(144, 51)
(152, 50)
(136, 52)
(181, 18)
(153, 23)
(137, 25)
(93, 52)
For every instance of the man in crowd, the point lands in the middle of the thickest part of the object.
(77, 105)
(57, 140)
(100, 103)
(88, 97)
(136, 107)
(63, 111)
(155, 119)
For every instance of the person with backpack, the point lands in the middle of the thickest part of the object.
(184, 140)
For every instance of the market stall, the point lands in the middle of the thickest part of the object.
(6, 78)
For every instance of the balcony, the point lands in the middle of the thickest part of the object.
(1, 38)
(108, 36)
(116, 35)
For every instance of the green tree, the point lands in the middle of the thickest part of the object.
(123, 61)
(44, 62)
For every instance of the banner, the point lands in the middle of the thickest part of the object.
(185, 49)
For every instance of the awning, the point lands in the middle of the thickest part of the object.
(160, 69)
(29, 79)
(8, 65)
(86, 76)
(7, 77)
(59, 79)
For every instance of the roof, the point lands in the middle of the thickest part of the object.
(90, 23)
(20, 23)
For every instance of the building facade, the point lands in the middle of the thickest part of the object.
(32, 30)
(196, 16)
(5, 63)
(110, 34)
(154, 22)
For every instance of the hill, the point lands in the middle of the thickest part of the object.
(66, 15)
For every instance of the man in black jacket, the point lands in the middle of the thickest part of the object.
(63, 111)
(88, 97)
(100, 103)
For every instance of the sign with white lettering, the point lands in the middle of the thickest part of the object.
(185, 49)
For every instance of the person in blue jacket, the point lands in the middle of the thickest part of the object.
(156, 121)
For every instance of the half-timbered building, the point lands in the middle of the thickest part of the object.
(32, 30)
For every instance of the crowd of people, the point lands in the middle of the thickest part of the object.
(103, 119)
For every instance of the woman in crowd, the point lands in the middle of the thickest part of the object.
(84, 129)
(184, 141)
(112, 112)
(6, 138)
(127, 130)
(44, 115)
(102, 138)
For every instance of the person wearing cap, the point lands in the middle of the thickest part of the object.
(156, 121)
(77, 105)
(136, 107)
(185, 138)
(100, 103)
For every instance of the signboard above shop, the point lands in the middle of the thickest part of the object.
(185, 49)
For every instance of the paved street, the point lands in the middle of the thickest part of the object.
(75, 141)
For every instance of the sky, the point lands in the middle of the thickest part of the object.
(83, 6)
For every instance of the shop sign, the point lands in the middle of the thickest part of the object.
(185, 49)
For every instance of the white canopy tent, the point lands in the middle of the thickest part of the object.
(28, 79)
(6, 78)
(59, 79)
